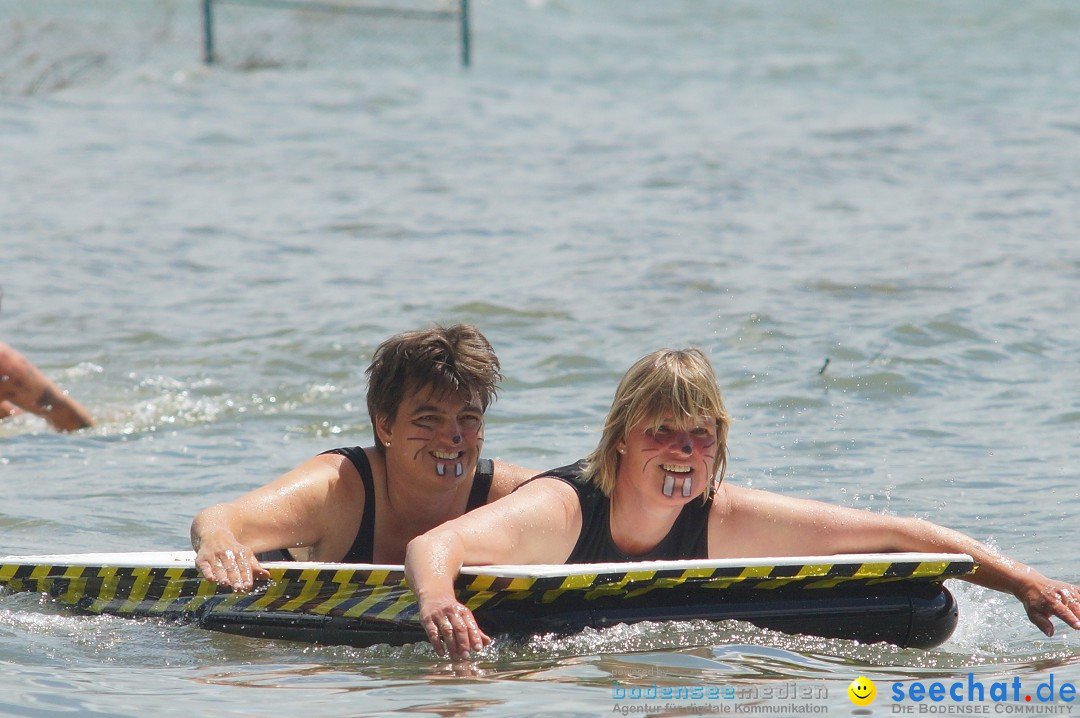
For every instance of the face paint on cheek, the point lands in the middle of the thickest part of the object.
(647, 450)
(420, 435)
(478, 442)
(706, 446)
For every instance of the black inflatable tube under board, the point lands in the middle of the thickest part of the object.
(918, 615)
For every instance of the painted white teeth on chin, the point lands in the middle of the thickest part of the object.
(458, 469)
(685, 482)
(669, 485)
(440, 469)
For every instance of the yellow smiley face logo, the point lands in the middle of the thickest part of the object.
(862, 691)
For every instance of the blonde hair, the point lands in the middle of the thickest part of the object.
(666, 383)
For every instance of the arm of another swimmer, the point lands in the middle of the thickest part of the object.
(762, 523)
(23, 385)
(538, 523)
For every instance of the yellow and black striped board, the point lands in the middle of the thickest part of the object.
(869, 597)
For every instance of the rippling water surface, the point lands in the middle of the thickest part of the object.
(206, 257)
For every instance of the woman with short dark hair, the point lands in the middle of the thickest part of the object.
(427, 394)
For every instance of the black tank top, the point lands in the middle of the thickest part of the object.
(363, 547)
(688, 537)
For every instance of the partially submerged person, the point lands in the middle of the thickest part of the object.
(427, 394)
(652, 490)
(24, 388)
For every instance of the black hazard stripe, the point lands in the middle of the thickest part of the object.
(903, 569)
(847, 570)
(325, 594)
(55, 587)
(189, 586)
(23, 573)
(158, 583)
(349, 605)
(288, 594)
(124, 581)
(364, 576)
(384, 605)
(785, 571)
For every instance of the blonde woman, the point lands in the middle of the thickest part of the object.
(653, 489)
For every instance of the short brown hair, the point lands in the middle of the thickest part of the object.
(450, 360)
(676, 383)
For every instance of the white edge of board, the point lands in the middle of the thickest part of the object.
(186, 559)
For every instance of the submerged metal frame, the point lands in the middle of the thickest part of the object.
(463, 12)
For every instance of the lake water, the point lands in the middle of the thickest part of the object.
(206, 257)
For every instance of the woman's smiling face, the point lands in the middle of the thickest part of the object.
(673, 458)
(436, 434)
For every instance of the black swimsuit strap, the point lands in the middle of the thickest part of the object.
(687, 538)
(481, 484)
(363, 547)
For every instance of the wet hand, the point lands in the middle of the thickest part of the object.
(229, 564)
(452, 629)
(1048, 598)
